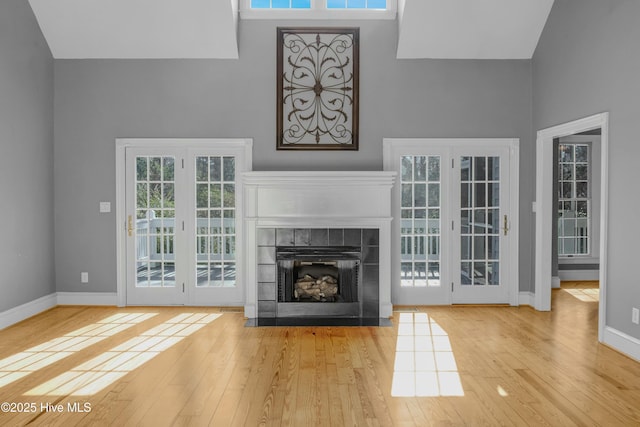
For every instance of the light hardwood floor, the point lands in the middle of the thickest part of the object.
(493, 366)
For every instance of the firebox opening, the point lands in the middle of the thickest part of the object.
(318, 275)
(316, 281)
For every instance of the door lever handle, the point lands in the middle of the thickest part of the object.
(130, 226)
(505, 227)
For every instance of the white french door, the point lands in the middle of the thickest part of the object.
(183, 228)
(456, 221)
(156, 244)
(481, 249)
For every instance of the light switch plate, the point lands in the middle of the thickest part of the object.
(105, 207)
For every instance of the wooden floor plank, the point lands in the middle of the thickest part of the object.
(516, 366)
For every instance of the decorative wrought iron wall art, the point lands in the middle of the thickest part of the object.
(317, 97)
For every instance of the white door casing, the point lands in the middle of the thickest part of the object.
(544, 206)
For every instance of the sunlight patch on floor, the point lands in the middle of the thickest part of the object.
(424, 363)
(586, 294)
(103, 370)
(22, 364)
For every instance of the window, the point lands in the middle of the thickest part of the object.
(318, 9)
(356, 4)
(574, 199)
(329, 4)
(280, 4)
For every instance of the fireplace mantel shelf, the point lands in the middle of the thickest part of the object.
(319, 178)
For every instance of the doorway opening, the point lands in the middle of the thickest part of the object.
(547, 203)
(577, 213)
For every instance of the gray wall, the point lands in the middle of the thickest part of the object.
(26, 158)
(587, 63)
(97, 101)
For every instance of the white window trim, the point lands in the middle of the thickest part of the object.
(318, 10)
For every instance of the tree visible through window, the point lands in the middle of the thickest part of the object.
(574, 199)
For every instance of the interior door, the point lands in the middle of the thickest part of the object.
(481, 246)
(155, 218)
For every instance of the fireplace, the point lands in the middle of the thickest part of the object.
(329, 232)
(336, 271)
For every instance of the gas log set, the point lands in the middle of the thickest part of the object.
(324, 288)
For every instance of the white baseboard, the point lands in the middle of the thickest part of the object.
(555, 282)
(24, 311)
(622, 342)
(577, 275)
(87, 298)
(526, 298)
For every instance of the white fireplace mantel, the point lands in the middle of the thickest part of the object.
(318, 199)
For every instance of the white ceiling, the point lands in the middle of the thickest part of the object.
(139, 28)
(479, 29)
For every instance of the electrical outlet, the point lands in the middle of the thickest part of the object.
(635, 315)
(84, 277)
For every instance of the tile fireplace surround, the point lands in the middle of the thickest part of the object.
(315, 204)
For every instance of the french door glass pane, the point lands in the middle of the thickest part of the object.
(479, 220)
(155, 221)
(420, 221)
(215, 221)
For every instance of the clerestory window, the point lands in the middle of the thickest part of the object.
(329, 4)
(318, 9)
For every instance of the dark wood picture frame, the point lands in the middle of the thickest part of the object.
(317, 88)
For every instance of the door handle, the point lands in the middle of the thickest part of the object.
(505, 227)
(130, 226)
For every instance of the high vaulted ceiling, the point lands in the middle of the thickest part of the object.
(139, 28)
(478, 29)
(466, 29)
